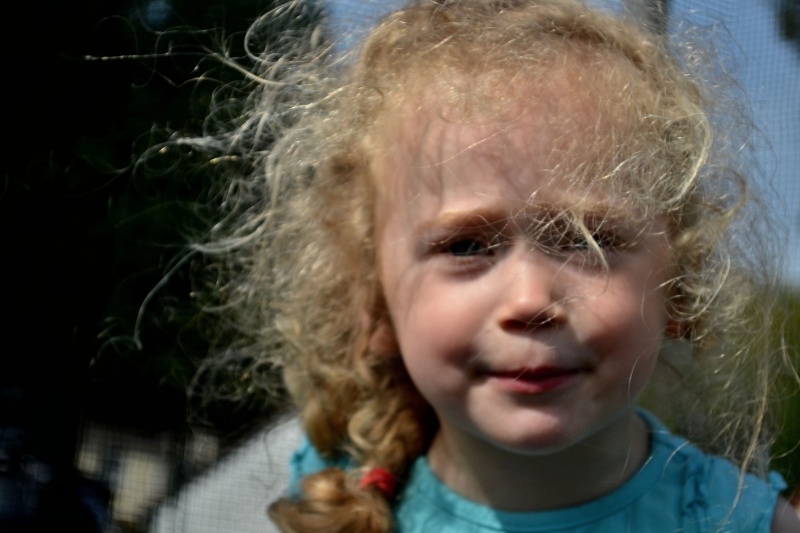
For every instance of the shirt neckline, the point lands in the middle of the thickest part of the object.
(426, 485)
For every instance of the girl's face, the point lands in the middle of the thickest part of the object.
(507, 321)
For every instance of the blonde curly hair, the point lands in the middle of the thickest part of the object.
(297, 252)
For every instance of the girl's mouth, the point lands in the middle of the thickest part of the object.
(535, 380)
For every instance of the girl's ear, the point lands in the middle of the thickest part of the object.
(383, 340)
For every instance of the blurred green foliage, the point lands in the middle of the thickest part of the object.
(786, 451)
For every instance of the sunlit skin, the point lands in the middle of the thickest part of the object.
(529, 351)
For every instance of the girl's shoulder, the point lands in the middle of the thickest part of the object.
(710, 490)
(306, 460)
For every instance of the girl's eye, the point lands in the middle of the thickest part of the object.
(467, 248)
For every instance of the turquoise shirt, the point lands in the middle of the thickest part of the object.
(679, 489)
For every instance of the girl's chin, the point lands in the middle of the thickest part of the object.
(545, 431)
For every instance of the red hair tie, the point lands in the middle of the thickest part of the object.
(381, 479)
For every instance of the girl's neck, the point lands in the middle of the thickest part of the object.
(510, 481)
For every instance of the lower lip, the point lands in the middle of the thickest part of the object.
(522, 384)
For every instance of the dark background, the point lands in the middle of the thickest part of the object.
(88, 234)
(85, 238)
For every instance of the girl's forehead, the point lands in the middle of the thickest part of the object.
(539, 138)
(496, 169)
(571, 108)
(505, 112)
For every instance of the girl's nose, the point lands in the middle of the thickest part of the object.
(532, 298)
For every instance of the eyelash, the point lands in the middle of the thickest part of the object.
(469, 247)
(477, 250)
(469, 254)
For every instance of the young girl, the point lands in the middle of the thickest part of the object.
(475, 249)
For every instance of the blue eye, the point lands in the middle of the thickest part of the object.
(467, 248)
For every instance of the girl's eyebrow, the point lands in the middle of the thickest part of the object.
(497, 219)
(478, 218)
